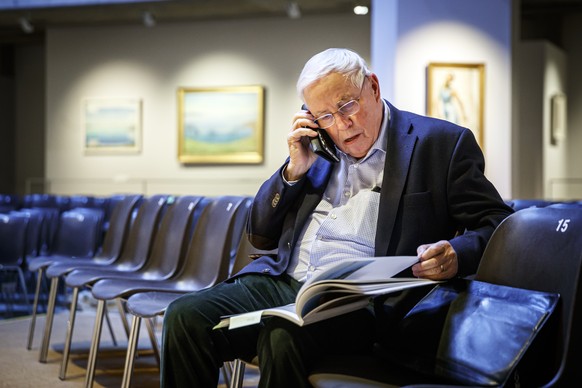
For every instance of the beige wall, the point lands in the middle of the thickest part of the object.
(151, 64)
(454, 31)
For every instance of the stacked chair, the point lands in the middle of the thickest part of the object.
(147, 255)
(13, 232)
(78, 235)
(208, 261)
(57, 265)
(136, 248)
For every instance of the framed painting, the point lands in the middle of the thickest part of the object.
(455, 92)
(221, 125)
(558, 118)
(112, 125)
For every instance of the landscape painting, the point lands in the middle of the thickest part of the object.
(221, 125)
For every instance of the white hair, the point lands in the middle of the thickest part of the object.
(333, 60)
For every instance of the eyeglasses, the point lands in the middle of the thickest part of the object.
(350, 108)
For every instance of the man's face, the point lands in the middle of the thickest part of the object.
(354, 134)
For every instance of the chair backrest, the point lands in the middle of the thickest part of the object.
(246, 253)
(48, 227)
(169, 245)
(36, 221)
(12, 240)
(78, 233)
(9, 202)
(142, 232)
(520, 204)
(109, 204)
(541, 249)
(119, 223)
(211, 247)
(41, 200)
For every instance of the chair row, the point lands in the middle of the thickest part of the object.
(54, 204)
(44, 212)
(172, 246)
(62, 202)
(27, 232)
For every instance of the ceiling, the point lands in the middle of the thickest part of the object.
(164, 11)
(167, 11)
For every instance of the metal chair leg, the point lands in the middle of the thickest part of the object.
(69, 336)
(23, 285)
(131, 351)
(238, 373)
(91, 362)
(120, 306)
(49, 320)
(34, 310)
(113, 338)
(153, 339)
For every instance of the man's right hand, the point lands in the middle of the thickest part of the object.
(300, 156)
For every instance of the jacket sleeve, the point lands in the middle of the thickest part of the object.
(474, 203)
(271, 205)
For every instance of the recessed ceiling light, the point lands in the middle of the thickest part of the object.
(361, 10)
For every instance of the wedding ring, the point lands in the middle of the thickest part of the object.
(442, 268)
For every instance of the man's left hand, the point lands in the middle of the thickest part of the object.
(438, 261)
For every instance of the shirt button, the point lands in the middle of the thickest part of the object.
(311, 268)
(346, 193)
(266, 270)
(333, 216)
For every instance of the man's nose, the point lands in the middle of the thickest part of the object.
(342, 122)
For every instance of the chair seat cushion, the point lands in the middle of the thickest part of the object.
(470, 332)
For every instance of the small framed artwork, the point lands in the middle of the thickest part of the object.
(455, 92)
(222, 125)
(112, 125)
(558, 118)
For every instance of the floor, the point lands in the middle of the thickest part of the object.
(20, 367)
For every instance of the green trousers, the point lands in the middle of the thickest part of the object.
(192, 353)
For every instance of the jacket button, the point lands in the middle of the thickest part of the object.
(275, 200)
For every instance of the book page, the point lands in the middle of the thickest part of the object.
(345, 287)
(254, 317)
(358, 271)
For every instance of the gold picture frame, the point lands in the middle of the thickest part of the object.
(456, 93)
(222, 125)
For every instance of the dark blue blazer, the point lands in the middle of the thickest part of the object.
(434, 188)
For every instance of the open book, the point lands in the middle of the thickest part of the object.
(345, 287)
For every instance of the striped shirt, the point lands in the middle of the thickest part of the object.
(343, 225)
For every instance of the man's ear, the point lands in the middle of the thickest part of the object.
(375, 86)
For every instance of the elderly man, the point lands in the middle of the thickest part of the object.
(404, 185)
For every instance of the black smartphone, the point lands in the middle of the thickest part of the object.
(322, 144)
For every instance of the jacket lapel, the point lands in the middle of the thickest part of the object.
(400, 145)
